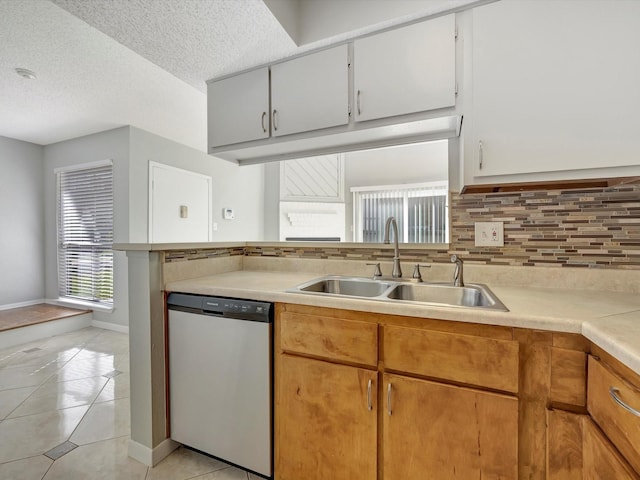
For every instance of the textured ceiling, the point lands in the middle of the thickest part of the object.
(195, 40)
(102, 64)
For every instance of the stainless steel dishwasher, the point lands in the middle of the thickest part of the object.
(220, 378)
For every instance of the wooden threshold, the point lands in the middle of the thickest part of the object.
(34, 314)
(551, 185)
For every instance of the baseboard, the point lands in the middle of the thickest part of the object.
(110, 326)
(22, 304)
(151, 457)
(31, 333)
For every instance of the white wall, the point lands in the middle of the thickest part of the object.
(114, 145)
(240, 188)
(22, 231)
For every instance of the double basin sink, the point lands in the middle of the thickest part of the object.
(437, 294)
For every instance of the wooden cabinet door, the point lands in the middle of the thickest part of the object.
(437, 431)
(238, 108)
(601, 461)
(406, 70)
(556, 101)
(310, 92)
(326, 421)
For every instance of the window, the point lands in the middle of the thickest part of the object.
(421, 211)
(85, 233)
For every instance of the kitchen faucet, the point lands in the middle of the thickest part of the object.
(457, 273)
(391, 222)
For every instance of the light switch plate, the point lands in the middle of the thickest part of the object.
(489, 234)
(227, 213)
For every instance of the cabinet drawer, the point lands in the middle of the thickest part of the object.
(331, 338)
(466, 359)
(619, 424)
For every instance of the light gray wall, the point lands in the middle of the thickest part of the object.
(114, 145)
(240, 188)
(22, 231)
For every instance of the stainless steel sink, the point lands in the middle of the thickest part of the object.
(446, 294)
(438, 294)
(352, 287)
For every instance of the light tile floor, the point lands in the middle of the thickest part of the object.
(75, 388)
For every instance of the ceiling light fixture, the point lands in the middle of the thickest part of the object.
(23, 72)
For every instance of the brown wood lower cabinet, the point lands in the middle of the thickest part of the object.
(326, 421)
(437, 431)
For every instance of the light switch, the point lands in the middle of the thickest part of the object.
(489, 234)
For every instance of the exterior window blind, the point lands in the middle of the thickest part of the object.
(421, 211)
(85, 234)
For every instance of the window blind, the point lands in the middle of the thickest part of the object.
(85, 234)
(420, 211)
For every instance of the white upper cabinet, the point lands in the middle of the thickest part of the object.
(238, 108)
(310, 92)
(407, 70)
(555, 88)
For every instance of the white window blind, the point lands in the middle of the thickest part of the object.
(421, 211)
(85, 234)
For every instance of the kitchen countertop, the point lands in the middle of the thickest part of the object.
(611, 320)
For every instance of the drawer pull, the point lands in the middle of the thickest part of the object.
(613, 391)
(369, 404)
(389, 411)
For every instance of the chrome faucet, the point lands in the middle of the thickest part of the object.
(457, 273)
(391, 222)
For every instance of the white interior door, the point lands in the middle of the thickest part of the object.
(179, 205)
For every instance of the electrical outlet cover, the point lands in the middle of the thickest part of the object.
(489, 234)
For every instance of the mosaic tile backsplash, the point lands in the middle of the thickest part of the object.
(592, 228)
(597, 228)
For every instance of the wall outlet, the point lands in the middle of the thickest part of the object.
(227, 213)
(489, 234)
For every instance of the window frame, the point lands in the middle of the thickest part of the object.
(63, 293)
(433, 188)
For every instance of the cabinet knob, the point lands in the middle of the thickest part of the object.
(264, 116)
(369, 403)
(480, 154)
(273, 117)
(389, 411)
(358, 103)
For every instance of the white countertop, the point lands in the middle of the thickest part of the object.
(611, 320)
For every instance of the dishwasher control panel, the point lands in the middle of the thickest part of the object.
(223, 307)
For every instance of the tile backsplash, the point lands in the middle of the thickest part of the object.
(592, 228)
(597, 227)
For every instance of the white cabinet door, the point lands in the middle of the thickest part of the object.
(310, 92)
(407, 70)
(555, 86)
(238, 108)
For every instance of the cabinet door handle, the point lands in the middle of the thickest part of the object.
(358, 102)
(480, 154)
(389, 411)
(369, 404)
(613, 391)
(264, 116)
(273, 116)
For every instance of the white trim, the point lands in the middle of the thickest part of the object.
(82, 166)
(151, 457)
(39, 331)
(110, 326)
(443, 184)
(75, 303)
(28, 303)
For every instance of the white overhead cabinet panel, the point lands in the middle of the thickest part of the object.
(238, 108)
(310, 92)
(407, 70)
(555, 88)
